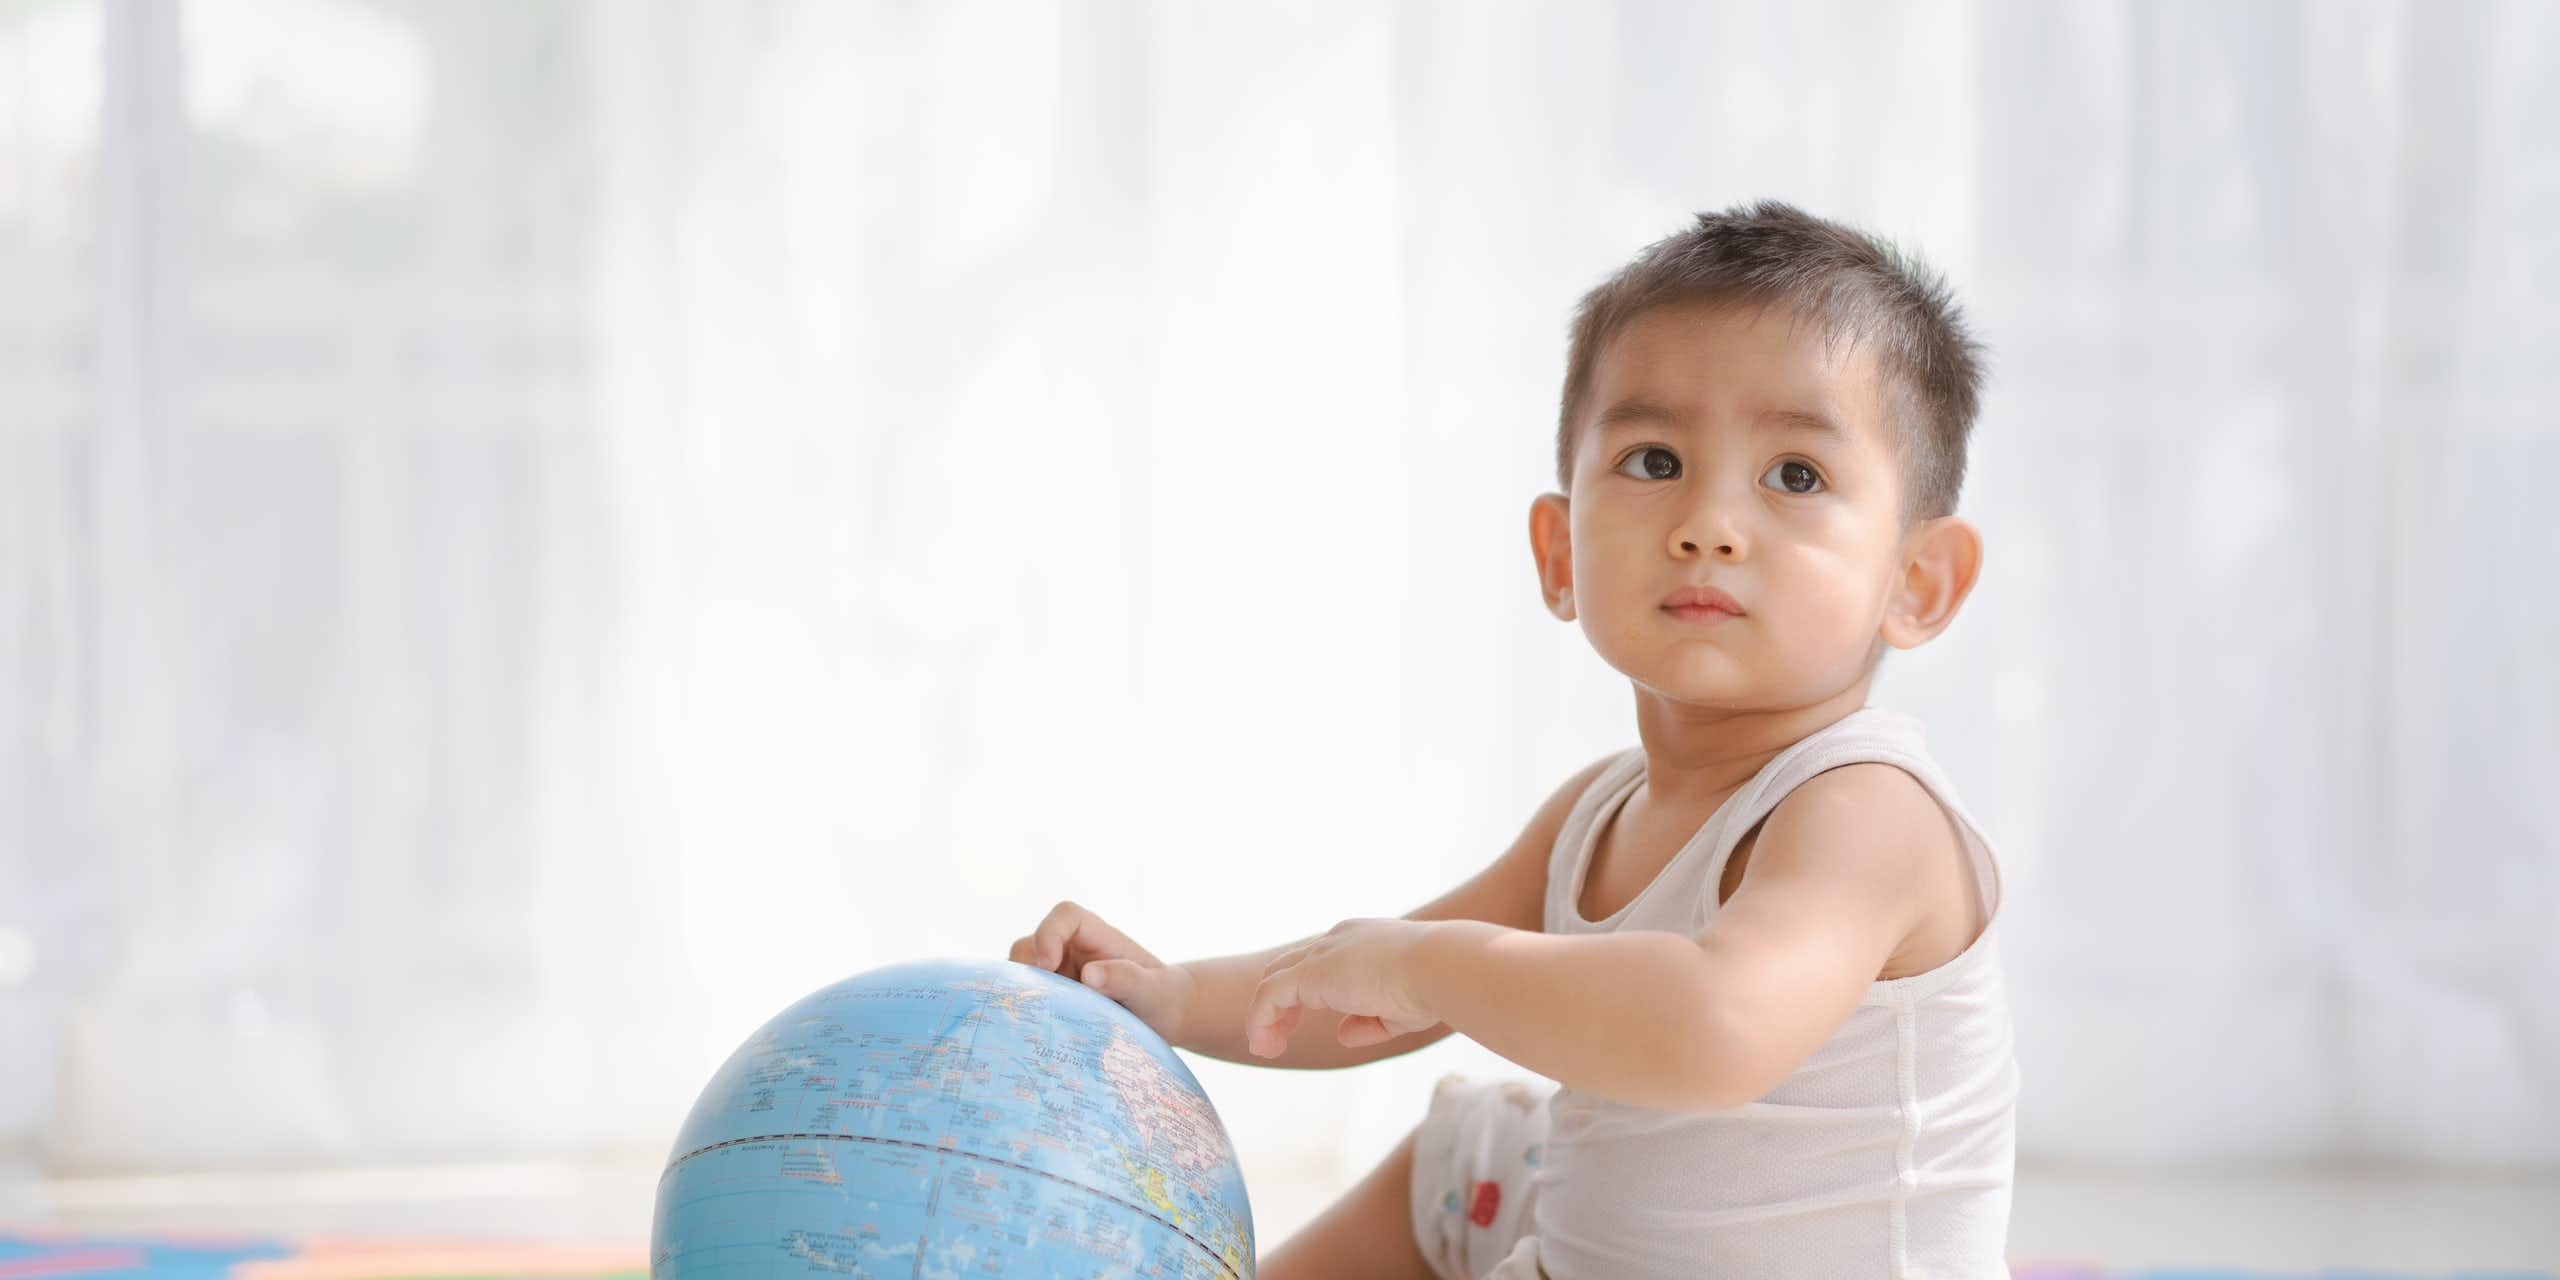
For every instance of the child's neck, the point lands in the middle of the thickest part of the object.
(1696, 755)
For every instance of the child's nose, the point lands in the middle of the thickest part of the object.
(1710, 526)
(1713, 518)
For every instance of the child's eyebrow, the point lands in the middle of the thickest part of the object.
(1632, 411)
(1637, 411)
(1810, 421)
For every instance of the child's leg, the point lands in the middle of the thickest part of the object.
(1366, 1235)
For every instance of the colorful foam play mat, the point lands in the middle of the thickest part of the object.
(164, 1257)
(88, 1257)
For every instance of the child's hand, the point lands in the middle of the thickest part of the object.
(1079, 944)
(1359, 969)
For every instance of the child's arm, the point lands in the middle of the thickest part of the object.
(1837, 879)
(1510, 893)
(1222, 987)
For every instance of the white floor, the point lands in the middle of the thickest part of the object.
(2412, 1222)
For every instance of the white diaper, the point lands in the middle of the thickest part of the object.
(1475, 1169)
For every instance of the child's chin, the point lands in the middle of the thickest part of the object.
(1710, 680)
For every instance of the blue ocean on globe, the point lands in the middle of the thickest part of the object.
(953, 1118)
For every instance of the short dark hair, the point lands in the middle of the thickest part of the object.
(1854, 285)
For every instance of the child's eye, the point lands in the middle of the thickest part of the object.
(1668, 468)
(1794, 475)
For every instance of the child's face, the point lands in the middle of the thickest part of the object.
(1701, 458)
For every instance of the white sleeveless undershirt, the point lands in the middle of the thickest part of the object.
(1889, 1152)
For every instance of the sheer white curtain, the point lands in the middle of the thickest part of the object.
(536, 534)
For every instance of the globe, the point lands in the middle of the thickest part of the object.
(953, 1118)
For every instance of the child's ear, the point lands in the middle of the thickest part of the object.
(1551, 541)
(1940, 560)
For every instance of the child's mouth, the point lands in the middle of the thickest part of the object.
(1699, 613)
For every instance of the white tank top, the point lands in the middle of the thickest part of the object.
(1889, 1152)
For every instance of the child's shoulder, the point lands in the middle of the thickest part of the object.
(1873, 799)
(1875, 824)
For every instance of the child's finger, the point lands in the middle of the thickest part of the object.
(1284, 960)
(1362, 1029)
(1275, 999)
(1067, 924)
(1255, 1015)
(1049, 941)
(1283, 1025)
